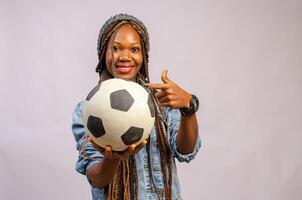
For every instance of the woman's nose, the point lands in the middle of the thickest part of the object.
(124, 55)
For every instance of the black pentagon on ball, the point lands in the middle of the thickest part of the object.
(95, 126)
(132, 135)
(93, 91)
(151, 106)
(121, 100)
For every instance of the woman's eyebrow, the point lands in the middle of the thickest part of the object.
(119, 43)
(116, 42)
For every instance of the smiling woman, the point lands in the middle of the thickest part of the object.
(146, 170)
(124, 56)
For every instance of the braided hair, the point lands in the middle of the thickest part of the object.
(125, 182)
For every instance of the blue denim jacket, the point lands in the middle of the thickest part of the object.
(145, 188)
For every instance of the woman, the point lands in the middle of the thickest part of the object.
(148, 170)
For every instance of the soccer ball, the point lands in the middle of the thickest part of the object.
(118, 113)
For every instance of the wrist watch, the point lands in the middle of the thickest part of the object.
(194, 105)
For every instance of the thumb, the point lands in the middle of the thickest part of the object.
(164, 76)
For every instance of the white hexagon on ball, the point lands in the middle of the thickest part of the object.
(118, 113)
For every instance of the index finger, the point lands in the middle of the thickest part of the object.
(131, 148)
(135, 148)
(158, 86)
(141, 145)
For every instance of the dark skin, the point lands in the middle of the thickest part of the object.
(171, 95)
(128, 57)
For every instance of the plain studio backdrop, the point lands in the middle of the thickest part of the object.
(241, 58)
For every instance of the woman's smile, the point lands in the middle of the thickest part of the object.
(124, 68)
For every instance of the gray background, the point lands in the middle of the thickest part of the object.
(242, 58)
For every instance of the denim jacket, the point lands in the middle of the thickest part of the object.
(145, 187)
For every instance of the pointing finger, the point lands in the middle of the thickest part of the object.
(158, 86)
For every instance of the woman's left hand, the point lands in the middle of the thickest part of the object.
(170, 94)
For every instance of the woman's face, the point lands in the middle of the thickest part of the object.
(127, 53)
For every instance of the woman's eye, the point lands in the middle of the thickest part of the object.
(115, 49)
(135, 49)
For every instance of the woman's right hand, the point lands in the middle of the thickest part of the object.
(108, 153)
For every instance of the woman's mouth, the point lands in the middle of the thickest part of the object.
(123, 69)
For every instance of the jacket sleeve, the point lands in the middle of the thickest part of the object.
(173, 121)
(87, 154)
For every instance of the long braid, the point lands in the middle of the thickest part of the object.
(165, 152)
(162, 145)
(133, 178)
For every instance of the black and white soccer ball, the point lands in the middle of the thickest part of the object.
(118, 113)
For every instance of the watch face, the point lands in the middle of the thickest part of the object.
(195, 103)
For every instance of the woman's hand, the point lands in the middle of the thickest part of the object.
(108, 153)
(169, 94)
(101, 173)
